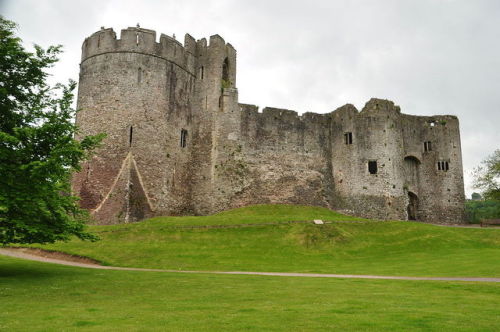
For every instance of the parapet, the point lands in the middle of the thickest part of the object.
(281, 115)
(143, 41)
(279, 112)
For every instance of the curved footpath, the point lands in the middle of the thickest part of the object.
(11, 252)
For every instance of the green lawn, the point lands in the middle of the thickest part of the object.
(360, 247)
(46, 297)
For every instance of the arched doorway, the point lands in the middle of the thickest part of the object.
(412, 207)
(410, 169)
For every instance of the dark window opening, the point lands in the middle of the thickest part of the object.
(427, 146)
(443, 166)
(139, 75)
(372, 167)
(225, 82)
(184, 134)
(202, 72)
(225, 70)
(131, 132)
(348, 138)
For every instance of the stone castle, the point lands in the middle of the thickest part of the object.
(178, 142)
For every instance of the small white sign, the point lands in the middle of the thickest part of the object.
(318, 222)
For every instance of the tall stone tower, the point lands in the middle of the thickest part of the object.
(178, 142)
(158, 104)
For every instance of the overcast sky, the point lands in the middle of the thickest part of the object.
(428, 56)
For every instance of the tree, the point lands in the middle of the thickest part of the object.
(487, 177)
(476, 197)
(38, 151)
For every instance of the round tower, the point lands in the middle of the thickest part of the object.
(139, 93)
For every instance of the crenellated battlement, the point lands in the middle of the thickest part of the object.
(143, 41)
(277, 115)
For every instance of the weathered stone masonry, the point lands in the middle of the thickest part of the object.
(178, 142)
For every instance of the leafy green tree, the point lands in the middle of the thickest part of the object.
(487, 177)
(479, 210)
(38, 151)
(475, 196)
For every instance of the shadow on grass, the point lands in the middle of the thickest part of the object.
(10, 268)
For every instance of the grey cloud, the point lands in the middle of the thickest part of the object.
(429, 56)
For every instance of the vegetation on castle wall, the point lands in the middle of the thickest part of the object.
(233, 168)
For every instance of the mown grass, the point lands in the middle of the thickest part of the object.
(46, 297)
(357, 247)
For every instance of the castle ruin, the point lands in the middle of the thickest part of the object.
(178, 142)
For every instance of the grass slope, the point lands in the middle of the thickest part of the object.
(363, 247)
(46, 297)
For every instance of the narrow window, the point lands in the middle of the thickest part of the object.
(202, 72)
(427, 146)
(139, 75)
(446, 166)
(137, 39)
(372, 167)
(131, 132)
(225, 70)
(348, 138)
(184, 134)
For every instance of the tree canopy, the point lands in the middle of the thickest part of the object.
(487, 177)
(38, 149)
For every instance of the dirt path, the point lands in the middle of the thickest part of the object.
(44, 256)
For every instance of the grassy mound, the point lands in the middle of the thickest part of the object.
(357, 247)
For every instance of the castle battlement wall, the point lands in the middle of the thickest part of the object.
(143, 41)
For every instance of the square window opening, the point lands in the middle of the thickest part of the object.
(372, 167)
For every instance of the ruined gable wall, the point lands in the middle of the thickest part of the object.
(441, 192)
(396, 142)
(374, 138)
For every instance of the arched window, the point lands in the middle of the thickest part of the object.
(184, 134)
